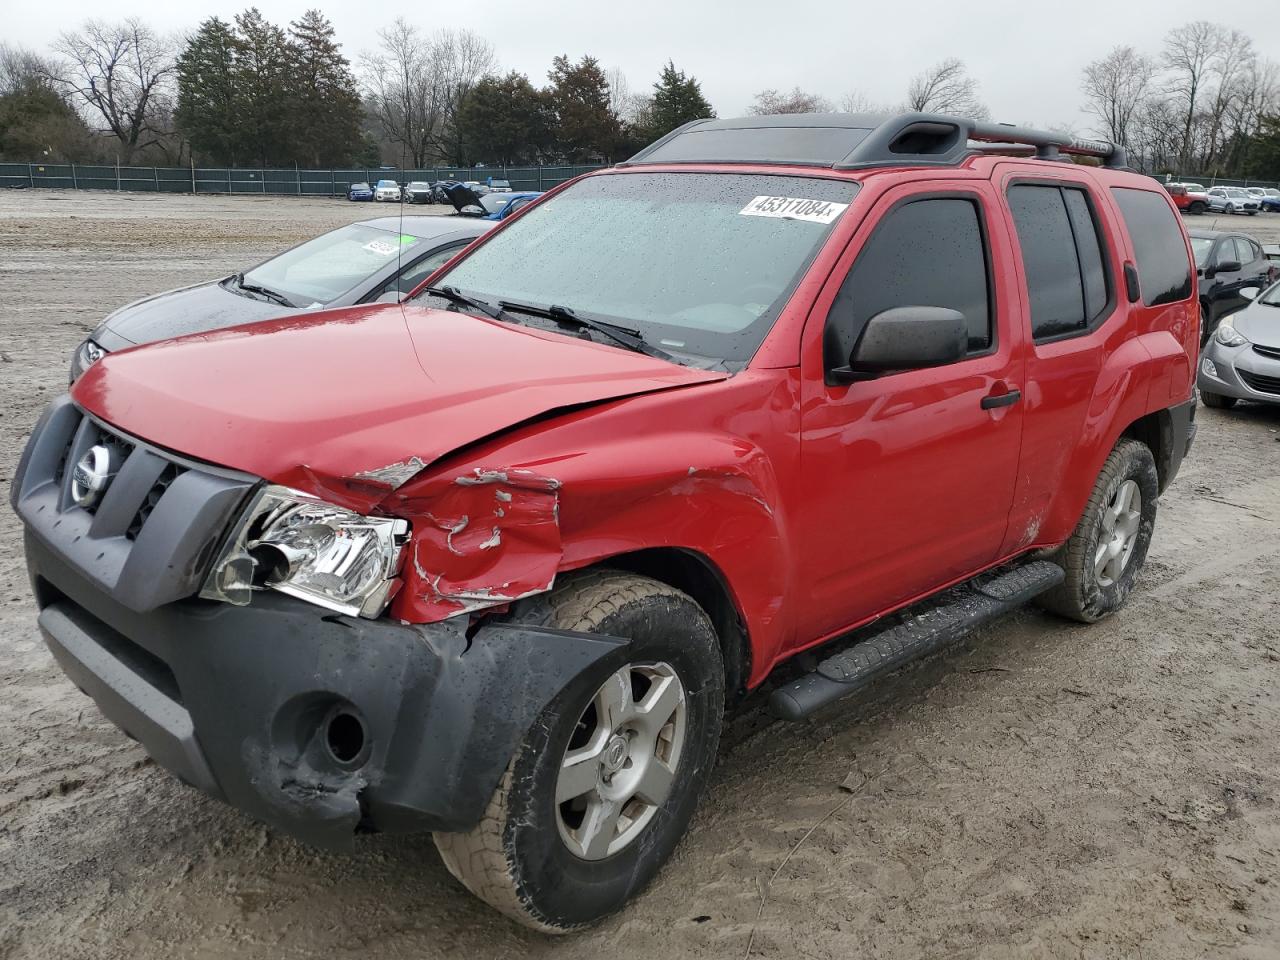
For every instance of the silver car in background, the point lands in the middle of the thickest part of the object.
(1233, 200)
(1241, 361)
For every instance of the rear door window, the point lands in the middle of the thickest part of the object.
(1164, 271)
(928, 252)
(1062, 258)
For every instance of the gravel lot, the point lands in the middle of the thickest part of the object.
(1044, 789)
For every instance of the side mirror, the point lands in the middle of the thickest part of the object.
(1250, 293)
(1226, 266)
(907, 338)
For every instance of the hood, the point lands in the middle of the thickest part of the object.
(1259, 323)
(462, 197)
(206, 306)
(351, 403)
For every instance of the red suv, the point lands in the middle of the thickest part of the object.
(491, 564)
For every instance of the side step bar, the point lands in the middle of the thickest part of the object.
(964, 608)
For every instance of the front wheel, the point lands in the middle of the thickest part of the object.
(1231, 208)
(605, 783)
(1217, 401)
(1109, 545)
(1197, 207)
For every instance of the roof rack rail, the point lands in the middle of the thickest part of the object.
(845, 141)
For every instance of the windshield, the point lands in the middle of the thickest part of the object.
(1201, 246)
(418, 185)
(323, 269)
(699, 263)
(359, 186)
(1271, 297)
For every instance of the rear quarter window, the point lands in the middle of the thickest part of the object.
(1164, 271)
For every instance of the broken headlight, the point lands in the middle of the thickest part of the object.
(295, 544)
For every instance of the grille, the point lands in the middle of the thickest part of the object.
(1260, 383)
(167, 476)
(1272, 352)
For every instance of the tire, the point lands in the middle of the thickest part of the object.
(1207, 324)
(520, 858)
(1197, 207)
(1089, 594)
(1217, 401)
(1231, 208)
(1252, 213)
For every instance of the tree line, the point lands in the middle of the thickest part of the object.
(252, 93)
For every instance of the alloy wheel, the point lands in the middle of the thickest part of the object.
(1121, 518)
(622, 759)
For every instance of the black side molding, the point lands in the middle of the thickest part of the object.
(966, 607)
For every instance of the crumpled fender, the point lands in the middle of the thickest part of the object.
(500, 523)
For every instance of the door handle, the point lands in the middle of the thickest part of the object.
(991, 401)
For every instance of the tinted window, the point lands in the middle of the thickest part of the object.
(1242, 251)
(1164, 272)
(419, 271)
(1049, 259)
(1089, 251)
(928, 253)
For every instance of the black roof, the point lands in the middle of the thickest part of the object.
(850, 141)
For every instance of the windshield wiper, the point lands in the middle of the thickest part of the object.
(631, 339)
(267, 292)
(457, 298)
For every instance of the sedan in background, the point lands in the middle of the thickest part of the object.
(1227, 263)
(373, 260)
(1271, 199)
(360, 191)
(1242, 360)
(499, 206)
(387, 191)
(1232, 200)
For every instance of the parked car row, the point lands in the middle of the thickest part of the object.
(1248, 201)
(420, 191)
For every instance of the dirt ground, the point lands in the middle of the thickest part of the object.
(1041, 790)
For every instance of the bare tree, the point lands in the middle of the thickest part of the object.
(793, 101)
(621, 103)
(858, 102)
(403, 85)
(461, 59)
(946, 87)
(120, 71)
(1116, 87)
(1189, 51)
(22, 70)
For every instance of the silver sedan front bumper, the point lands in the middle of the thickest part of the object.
(1247, 372)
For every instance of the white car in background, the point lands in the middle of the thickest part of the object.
(387, 190)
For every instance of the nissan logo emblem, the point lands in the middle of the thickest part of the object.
(91, 476)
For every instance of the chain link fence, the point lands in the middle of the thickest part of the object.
(263, 181)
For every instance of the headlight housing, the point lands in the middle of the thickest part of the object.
(298, 545)
(1228, 336)
(86, 355)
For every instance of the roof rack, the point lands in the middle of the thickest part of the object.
(852, 141)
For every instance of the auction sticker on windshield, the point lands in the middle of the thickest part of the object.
(794, 208)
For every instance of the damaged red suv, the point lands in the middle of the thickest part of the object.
(491, 564)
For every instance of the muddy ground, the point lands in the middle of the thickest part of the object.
(1043, 789)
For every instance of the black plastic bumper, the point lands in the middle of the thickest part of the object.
(239, 701)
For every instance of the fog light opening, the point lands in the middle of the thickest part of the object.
(344, 735)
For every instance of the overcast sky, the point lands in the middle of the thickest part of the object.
(1027, 56)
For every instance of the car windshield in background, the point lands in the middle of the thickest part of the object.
(698, 263)
(328, 266)
(1201, 246)
(1271, 297)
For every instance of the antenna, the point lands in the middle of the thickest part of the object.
(400, 229)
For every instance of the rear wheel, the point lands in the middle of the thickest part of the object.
(1197, 207)
(606, 781)
(1231, 208)
(1105, 553)
(1217, 401)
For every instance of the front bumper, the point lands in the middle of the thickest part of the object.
(243, 702)
(1239, 372)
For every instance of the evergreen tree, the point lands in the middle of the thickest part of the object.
(261, 79)
(324, 110)
(579, 95)
(505, 120)
(677, 99)
(207, 111)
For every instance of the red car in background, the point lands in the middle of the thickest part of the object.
(1188, 199)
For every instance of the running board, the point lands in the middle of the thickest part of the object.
(965, 607)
